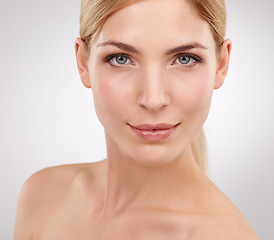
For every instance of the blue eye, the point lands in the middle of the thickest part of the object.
(188, 60)
(184, 59)
(121, 59)
(117, 59)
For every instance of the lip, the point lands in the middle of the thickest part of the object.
(154, 132)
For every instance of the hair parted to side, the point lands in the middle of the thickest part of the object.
(214, 13)
(94, 14)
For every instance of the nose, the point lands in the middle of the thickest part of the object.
(153, 94)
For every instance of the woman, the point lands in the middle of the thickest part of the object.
(152, 66)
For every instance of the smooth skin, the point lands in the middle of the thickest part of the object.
(144, 189)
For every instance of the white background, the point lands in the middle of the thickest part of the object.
(47, 116)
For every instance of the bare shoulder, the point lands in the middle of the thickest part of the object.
(45, 191)
(222, 219)
(194, 226)
(226, 228)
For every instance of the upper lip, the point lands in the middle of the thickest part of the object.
(158, 126)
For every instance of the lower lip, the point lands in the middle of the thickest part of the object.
(154, 135)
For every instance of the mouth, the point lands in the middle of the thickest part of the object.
(154, 132)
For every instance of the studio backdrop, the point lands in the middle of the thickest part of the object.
(47, 116)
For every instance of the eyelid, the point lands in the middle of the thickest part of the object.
(193, 56)
(111, 56)
(107, 59)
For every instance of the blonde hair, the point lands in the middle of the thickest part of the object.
(94, 14)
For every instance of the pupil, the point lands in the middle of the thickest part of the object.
(184, 60)
(121, 59)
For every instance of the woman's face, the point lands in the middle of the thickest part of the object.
(153, 67)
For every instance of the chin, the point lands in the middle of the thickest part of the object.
(155, 156)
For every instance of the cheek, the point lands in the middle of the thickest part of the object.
(195, 93)
(111, 94)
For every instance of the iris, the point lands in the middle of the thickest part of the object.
(121, 59)
(184, 59)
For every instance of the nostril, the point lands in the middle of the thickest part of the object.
(153, 94)
(153, 102)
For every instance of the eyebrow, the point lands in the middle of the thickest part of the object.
(186, 47)
(129, 48)
(123, 46)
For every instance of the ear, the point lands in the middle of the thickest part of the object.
(82, 61)
(223, 63)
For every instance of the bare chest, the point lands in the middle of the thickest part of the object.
(82, 225)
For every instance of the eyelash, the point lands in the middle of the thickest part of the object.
(109, 57)
(195, 58)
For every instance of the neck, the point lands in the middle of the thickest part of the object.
(131, 185)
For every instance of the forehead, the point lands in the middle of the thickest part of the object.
(157, 23)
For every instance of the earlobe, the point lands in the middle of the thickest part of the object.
(82, 61)
(223, 63)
